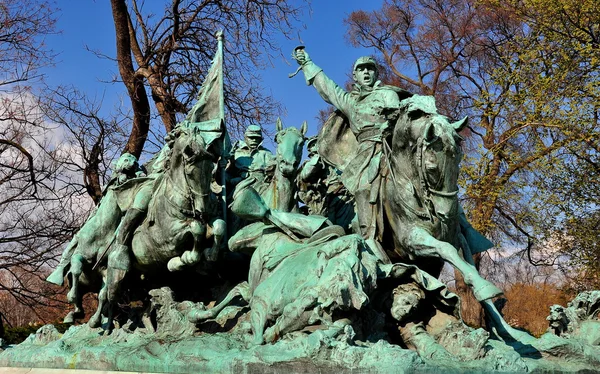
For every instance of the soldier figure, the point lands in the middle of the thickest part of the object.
(371, 110)
(249, 158)
(126, 168)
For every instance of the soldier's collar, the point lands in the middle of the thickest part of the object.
(362, 91)
(243, 144)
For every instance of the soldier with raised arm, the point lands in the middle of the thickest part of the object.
(371, 109)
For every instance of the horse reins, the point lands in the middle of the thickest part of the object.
(191, 194)
(422, 146)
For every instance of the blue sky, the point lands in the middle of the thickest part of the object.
(87, 23)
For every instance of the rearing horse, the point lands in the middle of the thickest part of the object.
(421, 198)
(181, 228)
(421, 191)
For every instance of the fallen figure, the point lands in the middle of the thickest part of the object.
(323, 278)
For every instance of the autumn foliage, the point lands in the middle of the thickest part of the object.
(528, 305)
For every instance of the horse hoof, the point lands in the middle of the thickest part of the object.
(190, 257)
(486, 291)
(175, 264)
(94, 322)
(69, 318)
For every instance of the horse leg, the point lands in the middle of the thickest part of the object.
(188, 258)
(242, 290)
(258, 319)
(423, 244)
(293, 318)
(96, 318)
(483, 290)
(119, 264)
(77, 261)
(77, 311)
(217, 230)
(501, 328)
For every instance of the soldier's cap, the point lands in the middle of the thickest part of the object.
(253, 131)
(365, 60)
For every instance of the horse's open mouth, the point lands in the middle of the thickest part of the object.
(287, 170)
(190, 159)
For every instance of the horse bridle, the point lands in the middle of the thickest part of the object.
(188, 191)
(428, 190)
(281, 134)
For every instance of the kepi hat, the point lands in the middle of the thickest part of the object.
(253, 131)
(365, 60)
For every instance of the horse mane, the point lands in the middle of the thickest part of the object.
(413, 108)
(424, 104)
(204, 153)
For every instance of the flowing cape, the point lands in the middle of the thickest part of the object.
(336, 143)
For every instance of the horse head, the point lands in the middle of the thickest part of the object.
(290, 142)
(191, 167)
(422, 197)
(426, 150)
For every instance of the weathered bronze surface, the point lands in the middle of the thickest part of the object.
(342, 253)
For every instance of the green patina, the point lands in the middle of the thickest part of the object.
(352, 286)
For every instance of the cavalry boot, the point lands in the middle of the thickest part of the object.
(58, 275)
(130, 222)
(364, 212)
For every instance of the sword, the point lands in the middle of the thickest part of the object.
(105, 251)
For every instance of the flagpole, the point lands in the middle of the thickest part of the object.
(219, 36)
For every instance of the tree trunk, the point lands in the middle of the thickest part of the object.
(133, 82)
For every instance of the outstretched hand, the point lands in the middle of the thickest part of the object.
(300, 55)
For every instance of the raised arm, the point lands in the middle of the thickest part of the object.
(328, 89)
